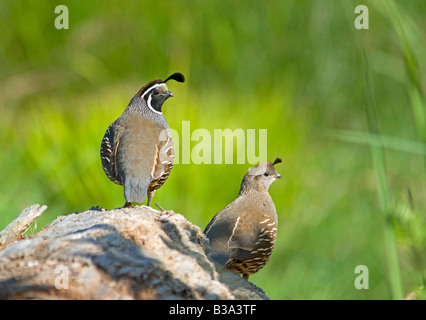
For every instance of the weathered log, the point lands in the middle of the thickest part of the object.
(128, 253)
(21, 224)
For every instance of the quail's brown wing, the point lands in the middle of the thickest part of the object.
(163, 160)
(109, 146)
(243, 235)
(253, 232)
(226, 234)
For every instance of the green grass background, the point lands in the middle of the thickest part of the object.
(343, 107)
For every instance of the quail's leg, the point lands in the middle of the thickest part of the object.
(245, 276)
(150, 196)
(128, 205)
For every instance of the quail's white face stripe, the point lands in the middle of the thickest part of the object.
(150, 97)
(149, 105)
(150, 88)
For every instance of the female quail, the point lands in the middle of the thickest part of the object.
(242, 235)
(137, 148)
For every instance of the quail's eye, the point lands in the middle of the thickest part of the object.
(266, 174)
(156, 92)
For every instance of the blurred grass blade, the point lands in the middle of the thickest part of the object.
(413, 70)
(391, 250)
(377, 140)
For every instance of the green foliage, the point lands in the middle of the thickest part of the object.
(294, 68)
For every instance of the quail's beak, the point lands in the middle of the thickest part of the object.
(169, 94)
(278, 176)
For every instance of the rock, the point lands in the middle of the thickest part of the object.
(128, 253)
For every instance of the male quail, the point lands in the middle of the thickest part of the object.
(242, 235)
(137, 148)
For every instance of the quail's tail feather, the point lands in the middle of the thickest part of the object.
(135, 190)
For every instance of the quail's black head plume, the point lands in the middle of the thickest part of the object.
(242, 235)
(137, 149)
(177, 76)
